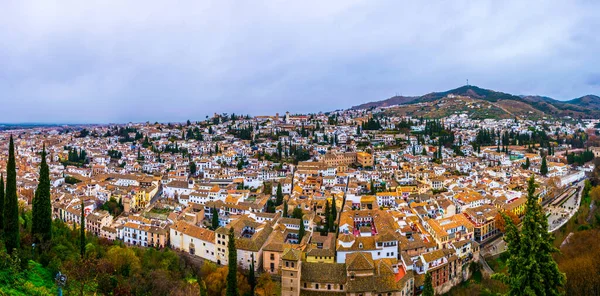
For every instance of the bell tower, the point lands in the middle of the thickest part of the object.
(291, 265)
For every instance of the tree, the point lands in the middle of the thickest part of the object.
(270, 206)
(579, 262)
(596, 172)
(11, 207)
(330, 222)
(1, 204)
(544, 167)
(41, 228)
(202, 286)
(215, 219)
(301, 231)
(82, 230)
(285, 209)
(252, 276)
(526, 164)
(297, 213)
(240, 164)
(193, 168)
(279, 199)
(373, 192)
(279, 150)
(265, 286)
(232, 288)
(428, 286)
(531, 267)
(333, 209)
(501, 225)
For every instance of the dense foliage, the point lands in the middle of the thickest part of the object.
(11, 203)
(42, 205)
(531, 267)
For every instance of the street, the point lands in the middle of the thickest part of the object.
(560, 214)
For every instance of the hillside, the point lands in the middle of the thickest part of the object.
(395, 100)
(588, 101)
(510, 105)
(443, 107)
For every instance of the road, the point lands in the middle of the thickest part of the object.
(486, 268)
(560, 215)
(493, 247)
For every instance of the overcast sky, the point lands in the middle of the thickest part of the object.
(121, 61)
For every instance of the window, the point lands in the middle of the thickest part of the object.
(287, 264)
(272, 256)
(305, 285)
(328, 287)
(317, 286)
(341, 287)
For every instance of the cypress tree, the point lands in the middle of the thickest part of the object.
(428, 286)
(327, 210)
(215, 219)
(42, 206)
(11, 209)
(531, 268)
(333, 209)
(544, 167)
(301, 231)
(252, 276)
(285, 209)
(232, 288)
(1, 204)
(373, 192)
(82, 230)
(279, 199)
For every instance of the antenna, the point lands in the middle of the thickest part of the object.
(467, 82)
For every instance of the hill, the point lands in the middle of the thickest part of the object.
(395, 100)
(589, 101)
(510, 105)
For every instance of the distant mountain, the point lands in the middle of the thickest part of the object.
(395, 100)
(583, 107)
(589, 101)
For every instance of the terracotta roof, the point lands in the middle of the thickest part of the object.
(291, 254)
(359, 261)
(194, 231)
(334, 273)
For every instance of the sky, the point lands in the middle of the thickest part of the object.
(136, 61)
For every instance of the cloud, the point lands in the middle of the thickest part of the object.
(120, 61)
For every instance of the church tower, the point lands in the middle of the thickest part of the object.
(291, 265)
